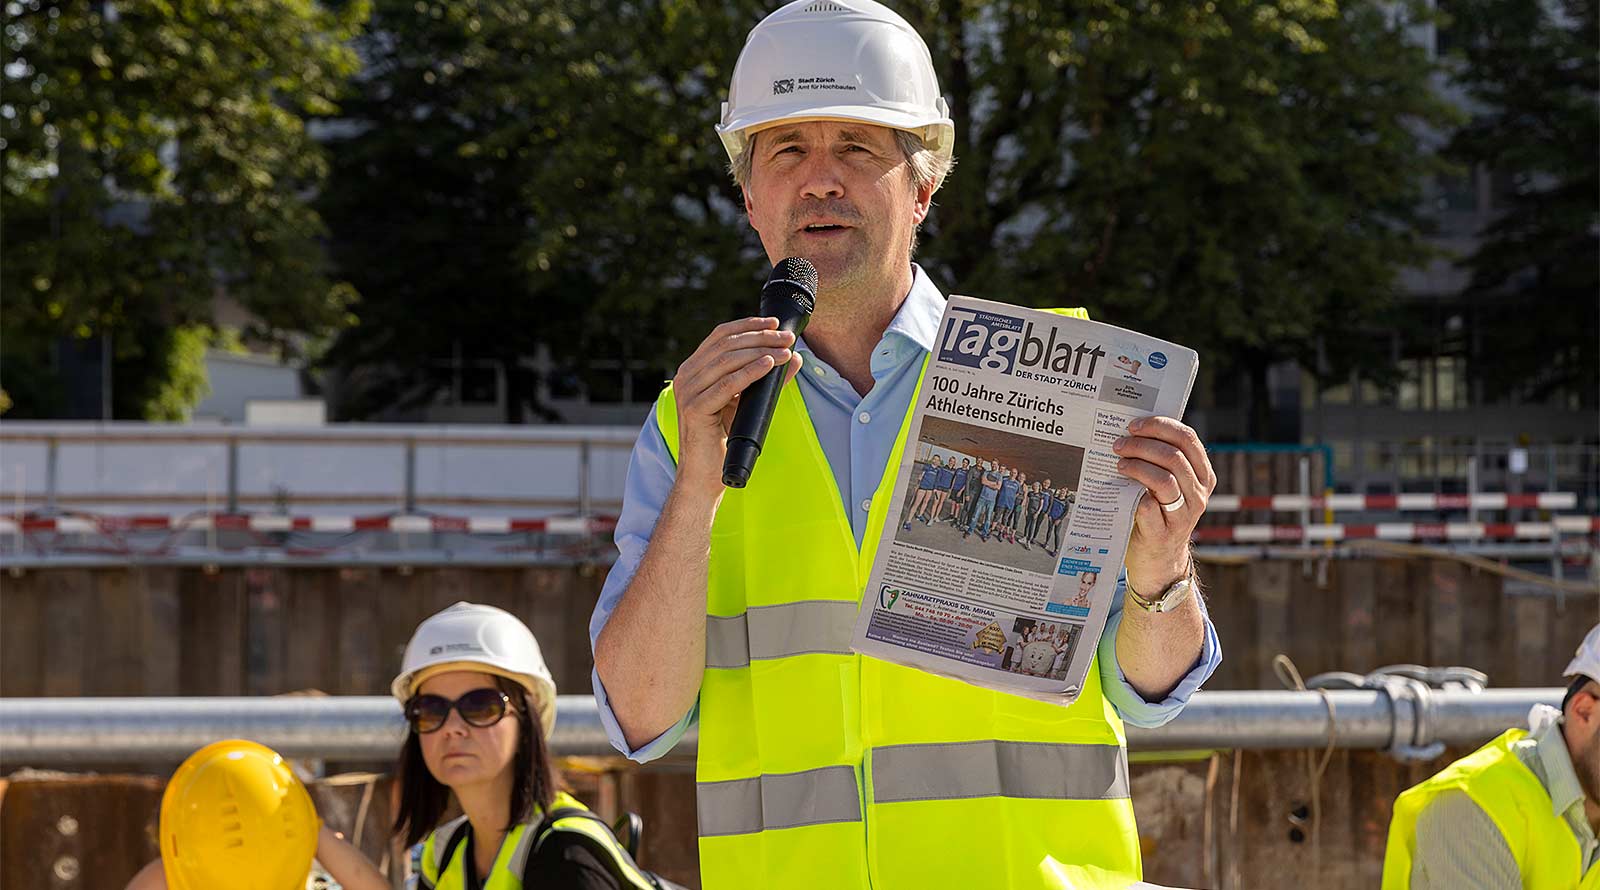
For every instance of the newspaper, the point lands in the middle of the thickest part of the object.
(1004, 578)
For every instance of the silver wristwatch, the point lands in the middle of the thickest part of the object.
(1168, 599)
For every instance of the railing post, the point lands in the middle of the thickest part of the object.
(233, 475)
(583, 479)
(411, 476)
(1472, 487)
(52, 453)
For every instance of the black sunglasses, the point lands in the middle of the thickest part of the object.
(480, 707)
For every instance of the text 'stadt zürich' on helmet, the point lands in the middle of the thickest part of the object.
(473, 637)
(848, 60)
(235, 817)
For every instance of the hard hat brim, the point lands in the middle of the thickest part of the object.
(937, 133)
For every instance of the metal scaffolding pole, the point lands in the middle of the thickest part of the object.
(72, 732)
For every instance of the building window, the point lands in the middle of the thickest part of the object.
(1337, 393)
(1450, 383)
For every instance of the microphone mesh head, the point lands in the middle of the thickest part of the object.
(800, 271)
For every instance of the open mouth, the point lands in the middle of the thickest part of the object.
(822, 228)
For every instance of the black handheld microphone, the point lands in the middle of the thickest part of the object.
(789, 296)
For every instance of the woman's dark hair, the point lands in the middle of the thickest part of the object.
(424, 799)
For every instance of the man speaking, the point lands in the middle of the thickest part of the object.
(734, 608)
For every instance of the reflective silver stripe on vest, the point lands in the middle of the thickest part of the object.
(441, 839)
(773, 801)
(780, 631)
(518, 863)
(999, 769)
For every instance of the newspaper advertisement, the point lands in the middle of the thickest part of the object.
(1006, 532)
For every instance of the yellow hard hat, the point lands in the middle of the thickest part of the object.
(235, 817)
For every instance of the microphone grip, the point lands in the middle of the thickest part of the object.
(748, 432)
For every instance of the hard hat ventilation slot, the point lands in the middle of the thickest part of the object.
(825, 6)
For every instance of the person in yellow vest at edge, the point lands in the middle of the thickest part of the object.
(480, 704)
(733, 609)
(1520, 813)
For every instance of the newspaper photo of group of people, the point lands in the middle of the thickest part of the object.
(1041, 648)
(1000, 497)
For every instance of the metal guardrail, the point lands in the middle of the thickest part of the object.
(214, 475)
(82, 732)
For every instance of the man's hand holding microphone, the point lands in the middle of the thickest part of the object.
(728, 388)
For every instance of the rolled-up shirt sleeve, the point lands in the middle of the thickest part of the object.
(1129, 703)
(651, 471)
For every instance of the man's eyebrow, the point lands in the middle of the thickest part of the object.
(847, 134)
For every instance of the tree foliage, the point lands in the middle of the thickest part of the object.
(1534, 71)
(156, 156)
(1238, 176)
(518, 176)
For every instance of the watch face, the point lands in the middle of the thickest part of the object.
(1173, 596)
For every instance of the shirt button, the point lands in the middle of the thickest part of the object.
(866, 505)
(864, 417)
(821, 371)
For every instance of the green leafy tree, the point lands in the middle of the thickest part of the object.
(156, 157)
(1241, 177)
(516, 176)
(1534, 71)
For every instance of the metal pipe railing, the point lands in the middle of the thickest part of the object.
(67, 732)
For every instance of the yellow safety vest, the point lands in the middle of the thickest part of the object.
(1499, 782)
(512, 861)
(820, 768)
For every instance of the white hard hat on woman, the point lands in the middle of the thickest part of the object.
(469, 636)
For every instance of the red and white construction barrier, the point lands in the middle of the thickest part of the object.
(575, 525)
(1399, 531)
(270, 522)
(1290, 503)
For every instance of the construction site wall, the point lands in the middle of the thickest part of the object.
(1207, 819)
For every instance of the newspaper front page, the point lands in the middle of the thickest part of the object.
(1007, 528)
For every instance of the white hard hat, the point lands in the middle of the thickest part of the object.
(472, 637)
(1587, 659)
(853, 60)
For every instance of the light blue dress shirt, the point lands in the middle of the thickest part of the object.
(857, 433)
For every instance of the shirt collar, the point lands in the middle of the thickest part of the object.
(918, 318)
(910, 333)
(1550, 746)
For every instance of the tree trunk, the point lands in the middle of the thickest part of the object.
(1260, 399)
(511, 371)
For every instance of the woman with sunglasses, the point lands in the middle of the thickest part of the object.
(480, 703)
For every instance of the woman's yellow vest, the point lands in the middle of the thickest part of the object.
(1501, 784)
(512, 861)
(820, 768)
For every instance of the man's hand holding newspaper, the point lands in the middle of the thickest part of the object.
(1064, 434)
(1167, 458)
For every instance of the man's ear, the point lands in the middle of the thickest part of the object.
(919, 211)
(1584, 705)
